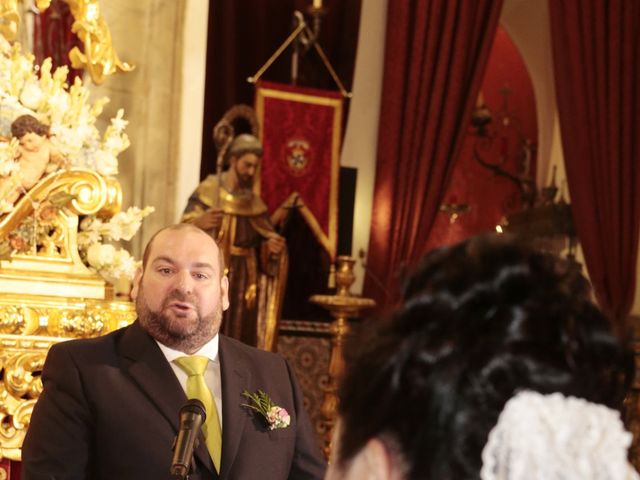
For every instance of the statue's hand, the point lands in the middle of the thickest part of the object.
(275, 244)
(209, 220)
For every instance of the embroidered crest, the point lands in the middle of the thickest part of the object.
(297, 155)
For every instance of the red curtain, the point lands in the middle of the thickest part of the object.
(596, 51)
(436, 51)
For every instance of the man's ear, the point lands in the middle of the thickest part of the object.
(224, 292)
(137, 278)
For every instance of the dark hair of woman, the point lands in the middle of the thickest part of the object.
(479, 321)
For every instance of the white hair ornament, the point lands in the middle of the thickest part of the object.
(553, 437)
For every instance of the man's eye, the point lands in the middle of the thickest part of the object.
(164, 271)
(201, 276)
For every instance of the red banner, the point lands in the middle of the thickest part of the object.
(300, 133)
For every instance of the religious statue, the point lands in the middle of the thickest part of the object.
(226, 206)
(99, 57)
(35, 157)
(9, 19)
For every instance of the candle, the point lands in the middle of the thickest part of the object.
(317, 3)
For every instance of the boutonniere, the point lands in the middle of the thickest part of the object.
(275, 416)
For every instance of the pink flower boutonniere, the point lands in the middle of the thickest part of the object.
(275, 416)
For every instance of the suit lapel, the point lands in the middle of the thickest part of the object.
(150, 370)
(235, 377)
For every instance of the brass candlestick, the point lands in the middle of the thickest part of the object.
(342, 306)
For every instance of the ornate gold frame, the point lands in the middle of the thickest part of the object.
(99, 57)
(48, 295)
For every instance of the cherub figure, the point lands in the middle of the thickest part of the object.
(36, 156)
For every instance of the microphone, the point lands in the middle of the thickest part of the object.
(192, 416)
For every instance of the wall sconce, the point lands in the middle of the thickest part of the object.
(454, 210)
(493, 138)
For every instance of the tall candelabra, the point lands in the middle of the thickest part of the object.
(342, 306)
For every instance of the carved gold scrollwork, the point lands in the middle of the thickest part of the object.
(11, 320)
(47, 294)
(113, 203)
(18, 319)
(78, 320)
(99, 57)
(80, 324)
(21, 362)
(90, 191)
(19, 379)
(9, 18)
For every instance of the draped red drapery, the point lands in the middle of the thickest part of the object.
(596, 51)
(435, 55)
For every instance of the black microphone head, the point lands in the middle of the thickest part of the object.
(192, 416)
(194, 405)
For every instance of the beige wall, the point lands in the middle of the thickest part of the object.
(361, 136)
(148, 34)
(194, 58)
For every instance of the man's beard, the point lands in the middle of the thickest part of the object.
(185, 334)
(244, 181)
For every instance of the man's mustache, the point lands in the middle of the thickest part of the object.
(177, 295)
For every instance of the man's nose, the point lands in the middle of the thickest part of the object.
(184, 281)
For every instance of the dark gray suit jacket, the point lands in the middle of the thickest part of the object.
(109, 410)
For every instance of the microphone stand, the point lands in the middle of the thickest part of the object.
(192, 416)
(192, 464)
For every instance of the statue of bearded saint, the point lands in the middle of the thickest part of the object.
(256, 260)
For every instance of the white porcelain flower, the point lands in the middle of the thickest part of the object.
(31, 95)
(124, 225)
(99, 255)
(71, 116)
(105, 163)
(8, 153)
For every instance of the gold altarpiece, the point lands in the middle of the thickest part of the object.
(48, 295)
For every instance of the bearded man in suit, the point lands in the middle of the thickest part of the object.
(109, 408)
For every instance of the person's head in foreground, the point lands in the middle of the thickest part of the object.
(483, 323)
(181, 291)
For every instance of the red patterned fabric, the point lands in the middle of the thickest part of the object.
(300, 132)
(435, 55)
(9, 469)
(596, 51)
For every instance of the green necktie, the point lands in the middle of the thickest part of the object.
(195, 366)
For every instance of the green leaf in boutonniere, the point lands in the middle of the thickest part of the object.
(275, 416)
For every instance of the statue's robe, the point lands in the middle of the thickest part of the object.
(256, 279)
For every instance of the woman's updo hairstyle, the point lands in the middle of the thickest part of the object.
(478, 322)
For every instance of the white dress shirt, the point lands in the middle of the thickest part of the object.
(211, 374)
